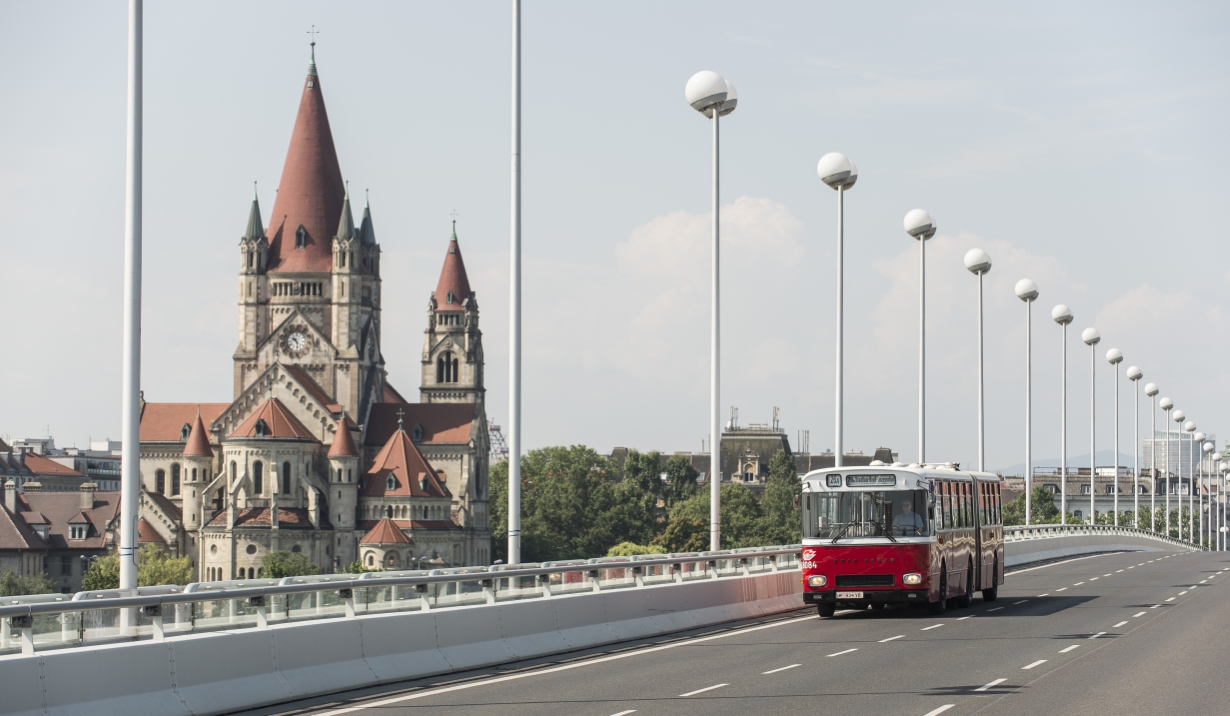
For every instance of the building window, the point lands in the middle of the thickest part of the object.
(446, 368)
(261, 429)
(185, 431)
(234, 471)
(258, 477)
(371, 561)
(417, 433)
(76, 531)
(160, 481)
(391, 483)
(66, 564)
(388, 512)
(1084, 489)
(286, 478)
(392, 560)
(300, 237)
(175, 478)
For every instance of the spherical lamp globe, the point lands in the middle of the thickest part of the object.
(1114, 357)
(919, 224)
(1198, 437)
(1026, 290)
(704, 91)
(1134, 373)
(1061, 314)
(1091, 336)
(1151, 389)
(977, 261)
(732, 99)
(837, 171)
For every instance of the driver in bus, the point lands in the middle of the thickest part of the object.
(908, 522)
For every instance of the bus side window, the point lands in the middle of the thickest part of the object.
(999, 515)
(945, 511)
(967, 517)
(984, 501)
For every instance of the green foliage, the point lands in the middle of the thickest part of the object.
(356, 567)
(15, 585)
(104, 573)
(497, 510)
(783, 516)
(688, 527)
(629, 549)
(155, 567)
(642, 470)
(276, 565)
(1042, 506)
(681, 477)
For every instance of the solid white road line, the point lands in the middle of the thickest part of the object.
(940, 710)
(1118, 625)
(847, 651)
(1070, 648)
(993, 683)
(701, 691)
(1095, 636)
(774, 671)
(552, 670)
(933, 626)
(1039, 662)
(625, 713)
(1056, 564)
(891, 638)
(1140, 614)
(1020, 602)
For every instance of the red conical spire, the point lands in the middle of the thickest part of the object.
(454, 286)
(198, 439)
(310, 193)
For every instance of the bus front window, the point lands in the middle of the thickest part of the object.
(878, 513)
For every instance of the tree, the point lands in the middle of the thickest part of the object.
(782, 522)
(1042, 507)
(104, 573)
(276, 565)
(681, 477)
(15, 585)
(356, 567)
(497, 510)
(629, 549)
(688, 527)
(643, 470)
(155, 567)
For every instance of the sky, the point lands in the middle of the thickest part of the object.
(1082, 145)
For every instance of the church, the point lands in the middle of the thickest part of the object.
(317, 453)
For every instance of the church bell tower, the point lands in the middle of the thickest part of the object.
(453, 344)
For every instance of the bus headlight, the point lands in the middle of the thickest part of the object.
(912, 578)
(817, 580)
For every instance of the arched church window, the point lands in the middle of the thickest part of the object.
(454, 374)
(160, 481)
(185, 431)
(371, 561)
(424, 511)
(388, 512)
(286, 478)
(449, 297)
(175, 478)
(423, 483)
(234, 471)
(341, 257)
(258, 477)
(250, 257)
(390, 483)
(300, 237)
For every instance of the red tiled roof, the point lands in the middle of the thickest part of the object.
(441, 422)
(413, 524)
(279, 422)
(288, 518)
(16, 534)
(411, 473)
(391, 395)
(59, 509)
(198, 440)
(310, 193)
(343, 442)
(147, 534)
(385, 532)
(453, 283)
(40, 465)
(318, 394)
(162, 422)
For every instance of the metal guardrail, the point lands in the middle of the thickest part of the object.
(57, 621)
(1014, 534)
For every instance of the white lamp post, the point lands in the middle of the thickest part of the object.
(1134, 374)
(1062, 315)
(1189, 427)
(1198, 484)
(978, 263)
(1152, 390)
(1091, 337)
(714, 97)
(921, 226)
(1114, 357)
(1206, 526)
(1027, 291)
(514, 305)
(839, 173)
(1167, 405)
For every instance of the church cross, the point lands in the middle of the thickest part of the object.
(454, 215)
(400, 413)
(313, 32)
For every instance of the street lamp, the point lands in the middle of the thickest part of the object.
(1027, 291)
(1198, 482)
(839, 173)
(1091, 337)
(1114, 357)
(714, 97)
(1167, 405)
(1188, 427)
(1206, 528)
(978, 263)
(921, 226)
(1062, 315)
(1151, 390)
(1134, 374)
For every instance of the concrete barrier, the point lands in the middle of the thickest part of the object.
(222, 672)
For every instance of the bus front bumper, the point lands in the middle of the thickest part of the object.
(887, 596)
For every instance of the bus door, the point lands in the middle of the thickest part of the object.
(980, 507)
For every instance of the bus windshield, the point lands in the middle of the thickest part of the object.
(878, 513)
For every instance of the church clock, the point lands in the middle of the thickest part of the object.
(295, 343)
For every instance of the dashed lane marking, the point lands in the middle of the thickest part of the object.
(1061, 589)
(847, 651)
(996, 609)
(961, 619)
(940, 710)
(625, 713)
(1107, 575)
(1020, 602)
(1044, 594)
(1140, 614)
(933, 626)
(1070, 648)
(1039, 662)
(783, 668)
(1080, 583)
(1118, 625)
(1171, 599)
(996, 682)
(701, 691)
(891, 638)
(1095, 636)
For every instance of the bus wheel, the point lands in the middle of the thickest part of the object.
(940, 605)
(965, 599)
(826, 609)
(991, 594)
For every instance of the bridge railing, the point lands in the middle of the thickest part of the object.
(44, 622)
(1020, 533)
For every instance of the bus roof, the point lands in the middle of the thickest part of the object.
(908, 476)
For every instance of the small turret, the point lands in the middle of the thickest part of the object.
(198, 458)
(343, 484)
(254, 247)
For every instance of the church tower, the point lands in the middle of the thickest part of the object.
(309, 282)
(453, 344)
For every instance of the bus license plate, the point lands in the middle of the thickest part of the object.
(849, 595)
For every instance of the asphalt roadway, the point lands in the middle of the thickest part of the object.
(1124, 633)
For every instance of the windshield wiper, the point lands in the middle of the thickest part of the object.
(841, 533)
(887, 533)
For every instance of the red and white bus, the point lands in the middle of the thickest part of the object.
(879, 535)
